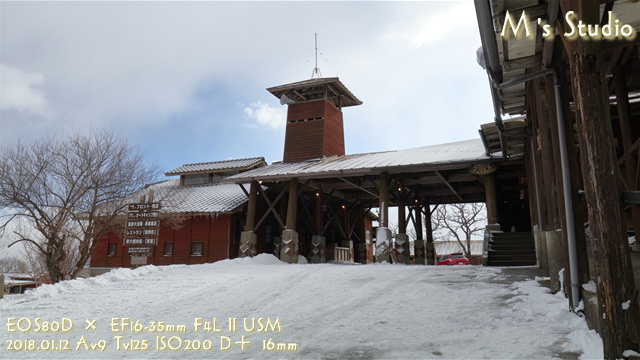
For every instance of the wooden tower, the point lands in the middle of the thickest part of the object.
(314, 119)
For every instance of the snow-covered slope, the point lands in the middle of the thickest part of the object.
(326, 311)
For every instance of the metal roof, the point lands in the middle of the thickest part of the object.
(218, 166)
(456, 153)
(331, 89)
(512, 138)
(197, 199)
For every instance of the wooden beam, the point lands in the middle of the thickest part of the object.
(271, 207)
(358, 187)
(448, 185)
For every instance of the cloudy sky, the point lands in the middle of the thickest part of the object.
(186, 80)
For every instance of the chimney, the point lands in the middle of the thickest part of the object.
(314, 119)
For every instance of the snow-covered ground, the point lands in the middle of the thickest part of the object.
(322, 311)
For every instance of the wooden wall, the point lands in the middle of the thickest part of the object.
(314, 129)
(215, 233)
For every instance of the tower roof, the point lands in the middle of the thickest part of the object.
(331, 89)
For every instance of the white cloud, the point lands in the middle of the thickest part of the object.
(431, 27)
(21, 91)
(174, 72)
(265, 115)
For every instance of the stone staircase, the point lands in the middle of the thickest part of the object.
(511, 249)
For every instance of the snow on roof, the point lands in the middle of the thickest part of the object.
(467, 151)
(198, 199)
(15, 279)
(217, 166)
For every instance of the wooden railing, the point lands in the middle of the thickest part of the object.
(342, 254)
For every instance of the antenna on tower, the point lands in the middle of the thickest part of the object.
(316, 70)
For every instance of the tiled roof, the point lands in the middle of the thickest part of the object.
(468, 151)
(197, 199)
(217, 166)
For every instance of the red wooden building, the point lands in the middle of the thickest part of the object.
(210, 216)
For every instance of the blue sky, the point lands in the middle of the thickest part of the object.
(186, 80)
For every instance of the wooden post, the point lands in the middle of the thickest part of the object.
(427, 221)
(383, 235)
(318, 242)
(345, 222)
(319, 215)
(289, 243)
(419, 245)
(546, 141)
(614, 280)
(248, 239)
(491, 198)
(418, 215)
(292, 207)
(430, 248)
(384, 199)
(251, 206)
(1, 286)
(402, 215)
(401, 244)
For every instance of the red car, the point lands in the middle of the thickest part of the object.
(453, 259)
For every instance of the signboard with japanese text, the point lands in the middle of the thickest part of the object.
(142, 230)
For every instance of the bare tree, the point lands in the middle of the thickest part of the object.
(12, 264)
(71, 190)
(462, 221)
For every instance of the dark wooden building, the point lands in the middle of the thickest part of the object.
(576, 90)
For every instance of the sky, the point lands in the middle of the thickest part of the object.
(328, 311)
(186, 80)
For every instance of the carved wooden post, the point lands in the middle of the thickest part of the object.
(248, 238)
(402, 240)
(383, 235)
(289, 244)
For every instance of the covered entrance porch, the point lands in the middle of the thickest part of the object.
(324, 208)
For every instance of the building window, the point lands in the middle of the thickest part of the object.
(168, 249)
(196, 248)
(196, 179)
(111, 252)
